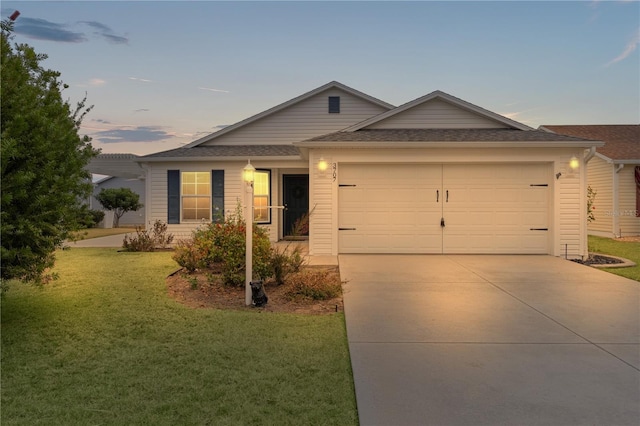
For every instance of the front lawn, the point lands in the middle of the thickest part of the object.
(105, 345)
(627, 249)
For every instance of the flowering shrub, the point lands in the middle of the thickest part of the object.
(224, 244)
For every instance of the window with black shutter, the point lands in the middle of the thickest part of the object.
(217, 195)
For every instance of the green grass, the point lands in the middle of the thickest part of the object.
(628, 250)
(89, 233)
(104, 344)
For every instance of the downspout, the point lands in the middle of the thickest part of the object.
(616, 200)
(590, 154)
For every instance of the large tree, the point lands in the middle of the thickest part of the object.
(43, 160)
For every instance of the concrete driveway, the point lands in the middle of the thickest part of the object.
(491, 340)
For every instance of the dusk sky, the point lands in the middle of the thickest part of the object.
(162, 74)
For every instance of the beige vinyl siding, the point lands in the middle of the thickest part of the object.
(157, 199)
(322, 228)
(234, 193)
(628, 223)
(436, 114)
(301, 121)
(569, 220)
(600, 178)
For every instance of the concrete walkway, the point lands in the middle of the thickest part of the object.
(108, 241)
(491, 340)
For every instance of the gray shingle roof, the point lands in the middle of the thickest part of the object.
(443, 135)
(228, 151)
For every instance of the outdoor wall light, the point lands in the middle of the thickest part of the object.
(574, 163)
(322, 164)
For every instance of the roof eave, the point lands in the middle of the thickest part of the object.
(220, 159)
(449, 144)
(626, 161)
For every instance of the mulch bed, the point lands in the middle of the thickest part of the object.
(597, 259)
(203, 289)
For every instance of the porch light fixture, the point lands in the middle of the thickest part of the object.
(574, 163)
(247, 176)
(322, 164)
(248, 172)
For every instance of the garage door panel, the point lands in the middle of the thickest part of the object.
(487, 208)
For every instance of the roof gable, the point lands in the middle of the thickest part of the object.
(622, 142)
(438, 110)
(334, 85)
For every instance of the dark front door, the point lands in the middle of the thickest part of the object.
(296, 201)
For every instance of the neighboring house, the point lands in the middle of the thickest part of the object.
(614, 173)
(435, 175)
(129, 218)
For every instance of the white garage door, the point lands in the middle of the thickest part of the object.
(433, 208)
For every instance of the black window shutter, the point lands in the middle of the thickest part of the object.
(173, 196)
(334, 104)
(217, 195)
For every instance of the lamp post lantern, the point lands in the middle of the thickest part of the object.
(247, 176)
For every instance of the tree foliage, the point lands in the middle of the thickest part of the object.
(120, 200)
(43, 160)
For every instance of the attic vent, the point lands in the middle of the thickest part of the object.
(334, 104)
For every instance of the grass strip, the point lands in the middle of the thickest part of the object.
(627, 249)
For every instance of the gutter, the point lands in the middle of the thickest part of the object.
(241, 158)
(447, 144)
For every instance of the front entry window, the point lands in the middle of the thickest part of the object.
(196, 196)
(262, 196)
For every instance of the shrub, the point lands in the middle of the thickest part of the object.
(284, 262)
(314, 284)
(224, 244)
(88, 218)
(159, 234)
(141, 242)
(188, 255)
(148, 241)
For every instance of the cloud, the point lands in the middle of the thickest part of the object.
(628, 50)
(94, 82)
(213, 90)
(100, 120)
(141, 110)
(144, 80)
(41, 29)
(106, 32)
(136, 134)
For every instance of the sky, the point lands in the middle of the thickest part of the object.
(161, 74)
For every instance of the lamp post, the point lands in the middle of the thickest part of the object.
(247, 176)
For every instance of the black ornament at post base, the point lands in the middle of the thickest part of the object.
(258, 296)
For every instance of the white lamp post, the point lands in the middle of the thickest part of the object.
(247, 176)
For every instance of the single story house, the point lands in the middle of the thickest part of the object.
(614, 174)
(435, 175)
(137, 185)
